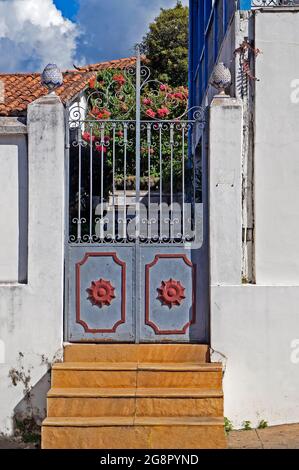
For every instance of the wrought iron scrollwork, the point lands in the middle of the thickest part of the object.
(113, 202)
(273, 3)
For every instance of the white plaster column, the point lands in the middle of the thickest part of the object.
(31, 312)
(225, 191)
(46, 195)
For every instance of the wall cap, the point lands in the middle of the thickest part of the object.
(226, 102)
(50, 99)
(12, 125)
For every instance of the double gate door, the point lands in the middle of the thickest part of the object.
(134, 213)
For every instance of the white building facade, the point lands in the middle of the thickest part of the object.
(249, 158)
(253, 196)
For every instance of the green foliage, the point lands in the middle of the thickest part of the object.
(228, 425)
(28, 429)
(111, 131)
(262, 424)
(112, 98)
(166, 45)
(247, 425)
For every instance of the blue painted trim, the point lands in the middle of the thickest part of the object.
(205, 18)
(244, 5)
(191, 55)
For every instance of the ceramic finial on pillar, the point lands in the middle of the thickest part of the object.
(221, 78)
(51, 77)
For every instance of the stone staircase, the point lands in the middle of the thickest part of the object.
(135, 396)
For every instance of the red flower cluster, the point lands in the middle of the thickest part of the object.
(179, 96)
(86, 137)
(104, 114)
(120, 79)
(92, 82)
(163, 112)
(182, 96)
(94, 111)
(163, 87)
(101, 148)
(150, 113)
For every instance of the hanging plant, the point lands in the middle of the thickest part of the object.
(244, 51)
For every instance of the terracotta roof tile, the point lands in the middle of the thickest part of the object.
(113, 64)
(20, 89)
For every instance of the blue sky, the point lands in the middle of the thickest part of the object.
(110, 28)
(36, 32)
(69, 8)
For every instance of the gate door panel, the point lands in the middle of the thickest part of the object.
(134, 213)
(169, 309)
(100, 294)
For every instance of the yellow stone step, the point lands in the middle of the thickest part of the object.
(132, 392)
(133, 433)
(141, 375)
(92, 402)
(136, 353)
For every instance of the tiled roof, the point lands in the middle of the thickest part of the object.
(20, 89)
(113, 64)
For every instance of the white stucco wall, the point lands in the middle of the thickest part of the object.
(276, 144)
(255, 328)
(13, 164)
(31, 314)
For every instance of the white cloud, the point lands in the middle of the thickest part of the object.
(112, 27)
(34, 33)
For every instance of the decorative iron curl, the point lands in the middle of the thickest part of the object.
(273, 3)
(145, 73)
(76, 116)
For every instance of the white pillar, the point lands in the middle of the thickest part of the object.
(46, 196)
(31, 313)
(225, 191)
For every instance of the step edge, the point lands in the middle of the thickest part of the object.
(163, 367)
(134, 393)
(131, 421)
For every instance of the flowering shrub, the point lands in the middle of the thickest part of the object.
(111, 98)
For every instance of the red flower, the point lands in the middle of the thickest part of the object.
(120, 79)
(163, 87)
(101, 148)
(86, 137)
(95, 110)
(104, 114)
(120, 134)
(179, 96)
(150, 113)
(147, 102)
(163, 112)
(92, 82)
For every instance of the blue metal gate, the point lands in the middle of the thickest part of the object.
(134, 216)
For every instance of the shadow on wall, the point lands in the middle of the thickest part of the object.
(31, 410)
